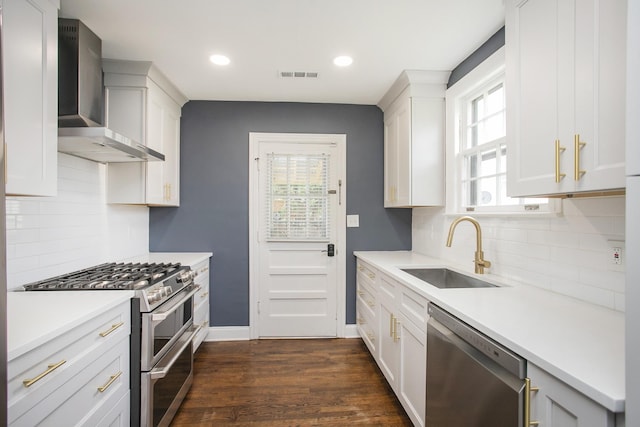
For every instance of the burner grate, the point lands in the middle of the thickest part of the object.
(116, 276)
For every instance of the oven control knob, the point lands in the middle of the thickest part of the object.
(167, 290)
(154, 296)
(186, 276)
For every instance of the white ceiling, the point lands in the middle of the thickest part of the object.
(264, 37)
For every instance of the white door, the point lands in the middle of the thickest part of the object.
(297, 252)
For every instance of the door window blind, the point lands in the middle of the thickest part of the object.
(297, 197)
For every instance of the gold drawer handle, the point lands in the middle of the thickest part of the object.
(577, 146)
(204, 295)
(371, 303)
(52, 367)
(528, 389)
(371, 276)
(361, 293)
(559, 150)
(360, 268)
(108, 384)
(371, 337)
(110, 330)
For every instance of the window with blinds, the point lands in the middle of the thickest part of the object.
(297, 197)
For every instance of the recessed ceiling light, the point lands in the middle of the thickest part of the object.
(220, 59)
(342, 61)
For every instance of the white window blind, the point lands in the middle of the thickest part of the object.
(297, 197)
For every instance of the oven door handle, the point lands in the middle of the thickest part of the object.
(160, 315)
(162, 371)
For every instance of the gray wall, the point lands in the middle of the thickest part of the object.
(494, 43)
(214, 185)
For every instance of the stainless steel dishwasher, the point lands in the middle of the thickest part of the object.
(472, 381)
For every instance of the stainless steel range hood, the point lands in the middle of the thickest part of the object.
(81, 102)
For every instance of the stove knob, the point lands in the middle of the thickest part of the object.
(167, 290)
(186, 276)
(154, 296)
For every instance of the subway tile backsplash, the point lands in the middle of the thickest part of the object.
(569, 254)
(48, 236)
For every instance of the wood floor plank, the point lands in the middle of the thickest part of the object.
(281, 383)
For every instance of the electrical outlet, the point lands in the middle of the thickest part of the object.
(616, 255)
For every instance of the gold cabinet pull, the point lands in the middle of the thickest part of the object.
(360, 321)
(111, 329)
(361, 293)
(371, 276)
(577, 146)
(108, 384)
(396, 337)
(527, 403)
(50, 368)
(559, 150)
(371, 304)
(372, 338)
(204, 295)
(360, 268)
(391, 323)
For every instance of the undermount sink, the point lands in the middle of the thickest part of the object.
(444, 278)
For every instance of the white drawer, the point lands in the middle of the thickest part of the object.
(87, 396)
(201, 318)
(119, 415)
(414, 307)
(366, 300)
(72, 347)
(366, 328)
(201, 271)
(366, 274)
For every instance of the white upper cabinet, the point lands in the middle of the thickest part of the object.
(414, 139)
(565, 96)
(143, 105)
(30, 68)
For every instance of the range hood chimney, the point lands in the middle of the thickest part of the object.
(81, 131)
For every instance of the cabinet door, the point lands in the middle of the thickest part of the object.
(390, 160)
(387, 347)
(558, 405)
(566, 92)
(30, 66)
(163, 135)
(532, 100)
(600, 64)
(397, 153)
(413, 370)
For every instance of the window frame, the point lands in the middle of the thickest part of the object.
(490, 71)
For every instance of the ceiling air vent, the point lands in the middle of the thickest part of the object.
(299, 74)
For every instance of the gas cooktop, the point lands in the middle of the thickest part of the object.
(109, 276)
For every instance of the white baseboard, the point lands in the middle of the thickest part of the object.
(351, 331)
(243, 333)
(228, 333)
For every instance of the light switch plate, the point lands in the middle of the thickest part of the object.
(353, 221)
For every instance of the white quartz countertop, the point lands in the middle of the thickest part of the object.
(33, 318)
(580, 343)
(184, 258)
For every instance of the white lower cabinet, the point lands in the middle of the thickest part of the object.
(400, 349)
(77, 378)
(201, 301)
(367, 306)
(555, 404)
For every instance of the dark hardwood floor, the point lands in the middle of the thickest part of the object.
(328, 382)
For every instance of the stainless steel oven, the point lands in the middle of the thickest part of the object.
(164, 387)
(472, 381)
(162, 327)
(162, 330)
